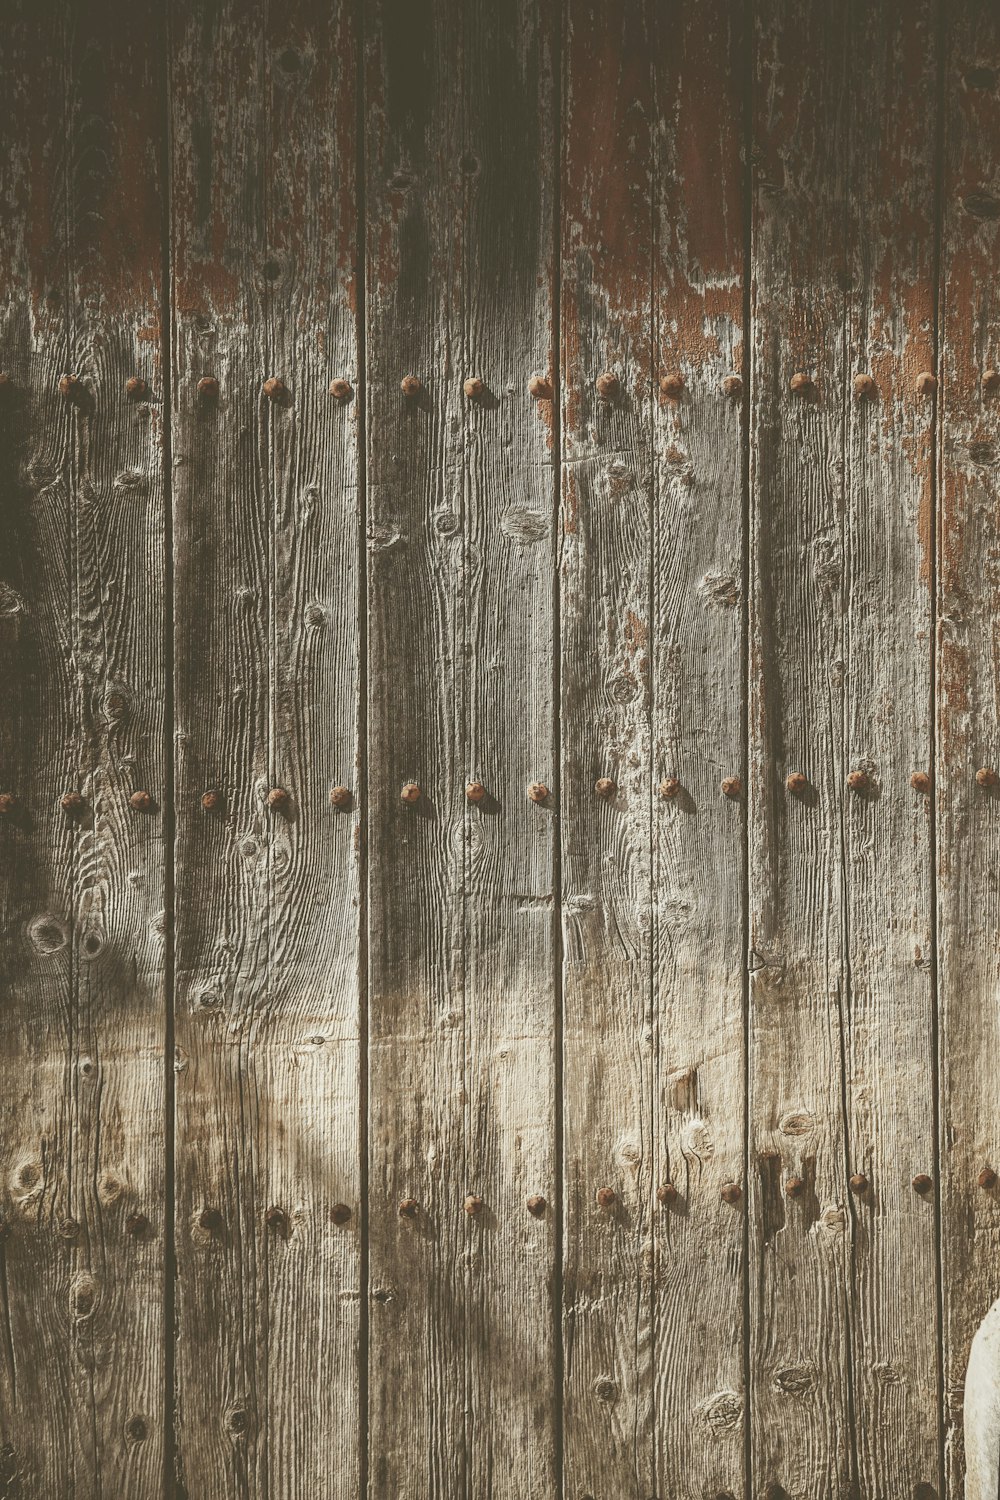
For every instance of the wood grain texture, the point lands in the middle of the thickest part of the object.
(81, 645)
(609, 1105)
(698, 675)
(460, 167)
(263, 124)
(800, 1248)
(968, 699)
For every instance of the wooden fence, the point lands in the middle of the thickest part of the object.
(499, 744)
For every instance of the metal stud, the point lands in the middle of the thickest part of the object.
(340, 796)
(672, 384)
(275, 1218)
(605, 1197)
(409, 1208)
(925, 383)
(604, 786)
(794, 1186)
(211, 799)
(474, 388)
(858, 782)
(536, 1205)
(796, 783)
(732, 786)
(72, 388)
(475, 791)
(8, 802)
(410, 792)
(800, 384)
(987, 778)
(340, 389)
(865, 388)
(278, 798)
(208, 388)
(669, 788)
(991, 381)
(987, 1178)
(731, 1192)
(410, 385)
(732, 386)
(538, 791)
(275, 389)
(141, 802)
(137, 1225)
(859, 1183)
(539, 388)
(608, 387)
(922, 1183)
(137, 389)
(72, 803)
(340, 1213)
(473, 1204)
(666, 1193)
(920, 782)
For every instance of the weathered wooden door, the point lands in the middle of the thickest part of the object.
(499, 747)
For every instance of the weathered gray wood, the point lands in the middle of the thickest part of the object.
(81, 626)
(609, 1105)
(460, 167)
(267, 672)
(886, 578)
(800, 1247)
(698, 714)
(968, 673)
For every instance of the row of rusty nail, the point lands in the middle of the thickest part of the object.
(607, 384)
(278, 798)
(136, 1225)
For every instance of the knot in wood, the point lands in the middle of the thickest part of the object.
(277, 798)
(865, 388)
(410, 385)
(920, 782)
(732, 786)
(410, 792)
(987, 778)
(732, 386)
(859, 1183)
(796, 782)
(69, 1229)
(474, 387)
(340, 796)
(72, 803)
(666, 1193)
(211, 799)
(536, 1205)
(340, 389)
(604, 786)
(538, 791)
(340, 1213)
(922, 1183)
(672, 384)
(608, 387)
(141, 801)
(539, 388)
(137, 389)
(731, 1192)
(473, 1204)
(925, 383)
(606, 1197)
(208, 388)
(475, 791)
(801, 384)
(669, 788)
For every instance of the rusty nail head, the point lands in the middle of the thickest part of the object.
(604, 786)
(210, 1218)
(731, 1192)
(137, 389)
(475, 791)
(211, 799)
(669, 788)
(71, 386)
(275, 389)
(72, 803)
(140, 802)
(672, 384)
(275, 1218)
(473, 1204)
(731, 786)
(986, 777)
(410, 385)
(8, 802)
(208, 388)
(539, 388)
(410, 792)
(605, 1197)
(666, 1192)
(340, 1213)
(922, 1183)
(859, 1182)
(538, 791)
(340, 796)
(920, 781)
(278, 798)
(733, 385)
(536, 1205)
(5, 380)
(340, 388)
(858, 781)
(607, 386)
(987, 1178)
(408, 1208)
(794, 1186)
(926, 383)
(991, 380)
(865, 387)
(796, 782)
(136, 1225)
(800, 383)
(474, 387)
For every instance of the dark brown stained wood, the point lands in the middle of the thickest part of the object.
(698, 704)
(886, 585)
(968, 672)
(800, 1249)
(459, 263)
(610, 1110)
(263, 113)
(82, 684)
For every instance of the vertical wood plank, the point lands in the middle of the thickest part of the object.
(887, 584)
(800, 1247)
(698, 715)
(81, 622)
(267, 698)
(459, 253)
(968, 699)
(609, 1105)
